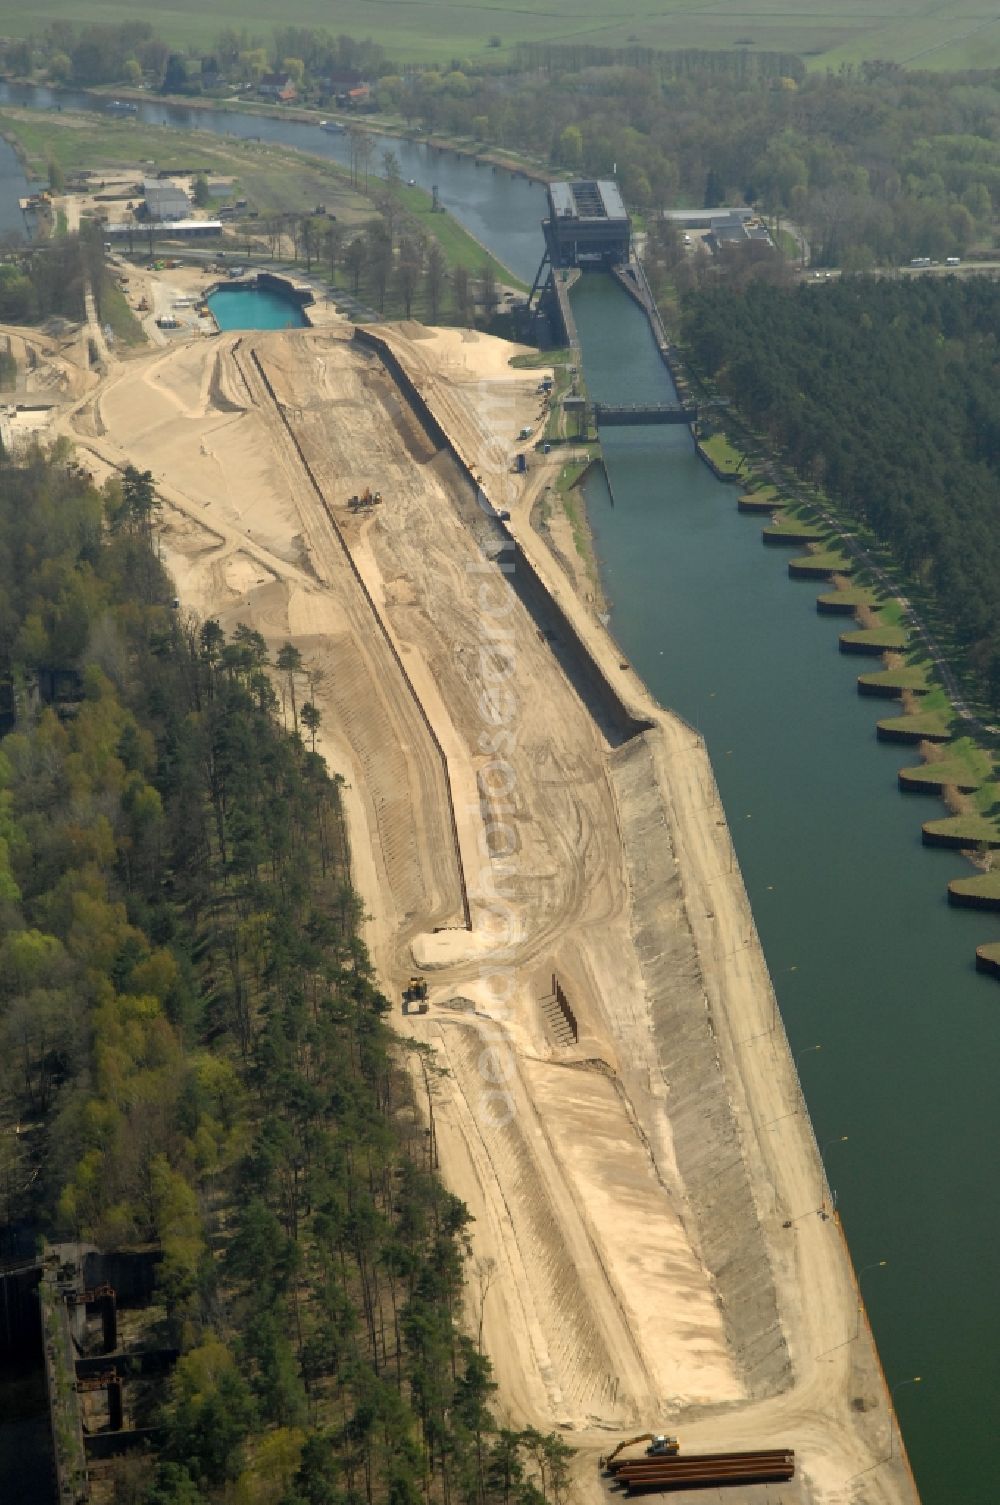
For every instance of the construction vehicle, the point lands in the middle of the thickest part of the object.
(415, 996)
(368, 498)
(661, 1475)
(659, 1445)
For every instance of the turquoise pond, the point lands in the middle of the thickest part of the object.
(254, 308)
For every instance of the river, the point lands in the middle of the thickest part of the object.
(14, 186)
(869, 962)
(496, 206)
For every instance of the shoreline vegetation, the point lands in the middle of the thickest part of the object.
(960, 769)
(196, 1053)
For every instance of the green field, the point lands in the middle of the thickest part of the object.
(921, 33)
(262, 172)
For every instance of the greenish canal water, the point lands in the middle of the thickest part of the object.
(867, 958)
(254, 308)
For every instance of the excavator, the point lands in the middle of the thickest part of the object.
(658, 1444)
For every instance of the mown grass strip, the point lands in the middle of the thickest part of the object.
(722, 454)
(882, 639)
(980, 886)
(913, 677)
(930, 724)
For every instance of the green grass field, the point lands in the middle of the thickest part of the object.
(86, 141)
(276, 180)
(922, 33)
(722, 453)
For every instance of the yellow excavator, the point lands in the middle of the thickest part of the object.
(658, 1444)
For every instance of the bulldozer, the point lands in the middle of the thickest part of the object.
(415, 996)
(658, 1445)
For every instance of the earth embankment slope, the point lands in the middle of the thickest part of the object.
(629, 1205)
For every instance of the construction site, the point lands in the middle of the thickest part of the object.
(553, 901)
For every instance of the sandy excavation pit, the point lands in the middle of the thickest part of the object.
(628, 1202)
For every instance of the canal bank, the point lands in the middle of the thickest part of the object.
(867, 959)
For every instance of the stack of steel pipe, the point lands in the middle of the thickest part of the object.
(688, 1471)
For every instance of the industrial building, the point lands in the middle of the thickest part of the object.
(164, 200)
(709, 219)
(588, 225)
(184, 229)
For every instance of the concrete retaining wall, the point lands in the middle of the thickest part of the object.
(785, 538)
(865, 647)
(599, 694)
(800, 569)
(911, 782)
(829, 606)
(988, 964)
(954, 843)
(272, 283)
(886, 732)
(963, 900)
(720, 475)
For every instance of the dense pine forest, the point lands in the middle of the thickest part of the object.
(194, 1048)
(887, 393)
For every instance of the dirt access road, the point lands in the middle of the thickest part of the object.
(652, 1247)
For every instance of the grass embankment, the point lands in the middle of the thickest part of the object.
(822, 561)
(960, 765)
(118, 317)
(933, 720)
(795, 524)
(724, 455)
(881, 631)
(763, 498)
(850, 596)
(567, 490)
(461, 248)
(540, 360)
(971, 830)
(918, 725)
(914, 677)
(878, 639)
(566, 494)
(983, 886)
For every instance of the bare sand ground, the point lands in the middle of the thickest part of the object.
(631, 1185)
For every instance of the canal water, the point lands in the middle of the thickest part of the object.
(868, 960)
(254, 308)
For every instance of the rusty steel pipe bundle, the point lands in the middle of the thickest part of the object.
(665, 1473)
(677, 1459)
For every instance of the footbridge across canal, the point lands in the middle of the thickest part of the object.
(607, 415)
